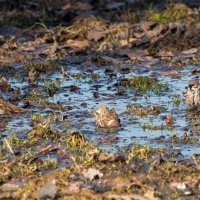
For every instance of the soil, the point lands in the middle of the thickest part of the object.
(59, 60)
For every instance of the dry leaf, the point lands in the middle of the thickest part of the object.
(146, 25)
(78, 43)
(172, 73)
(190, 51)
(96, 35)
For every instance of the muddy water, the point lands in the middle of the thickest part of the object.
(93, 92)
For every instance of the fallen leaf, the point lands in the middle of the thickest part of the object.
(196, 70)
(48, 149)
(133, 54)
(190, 51)
(172, 73)
(95, 35)
(78, 43)
(106, 157)
(72, 187)
(45, 149)
(123, 42)
(146, 25)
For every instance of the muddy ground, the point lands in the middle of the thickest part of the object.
(59, 60)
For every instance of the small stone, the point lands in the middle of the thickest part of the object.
(92, 174)
(48, 190)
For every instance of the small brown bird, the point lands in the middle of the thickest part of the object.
(106, 118)
(7, 108)
(196, 159)
(192, 95)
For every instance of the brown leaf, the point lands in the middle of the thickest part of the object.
(133, 54)
(131, 196)
(72, 187)
(109, 140)
(190, 51)
(27, 48)
(123, 42)
(156, 32)
(78, 43)
(146, 25)
(48, 149)
(106, 157)
(35, 140)
(95, 35)
(196, 70)
(172, 73)
(149, 194)
(45, 149)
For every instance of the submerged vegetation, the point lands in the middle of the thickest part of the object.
(144, 84)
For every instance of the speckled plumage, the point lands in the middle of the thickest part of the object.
(192, 95)
(106, 118)
(9, 108)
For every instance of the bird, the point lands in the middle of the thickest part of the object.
(192, 94)
(105, 117)
(196, 159)
(9, 108)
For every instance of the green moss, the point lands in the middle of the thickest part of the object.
(93, 76)
(142, 151)
(152, 126)
(139, 151)
(45, 66)
(144, 83)
(173, 13)
(52, 86)
(34, 95)
(176, 99)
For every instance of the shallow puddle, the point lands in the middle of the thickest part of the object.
(94, 86)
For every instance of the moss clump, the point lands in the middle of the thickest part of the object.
(40, 66)
(173, 13)
(152, 126)
(142, 151)
(142, 111)
(52, 86)
(139, 151)
(92, 76)
(34, 95)
(144, 83)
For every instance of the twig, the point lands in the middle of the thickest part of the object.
(9, 147)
